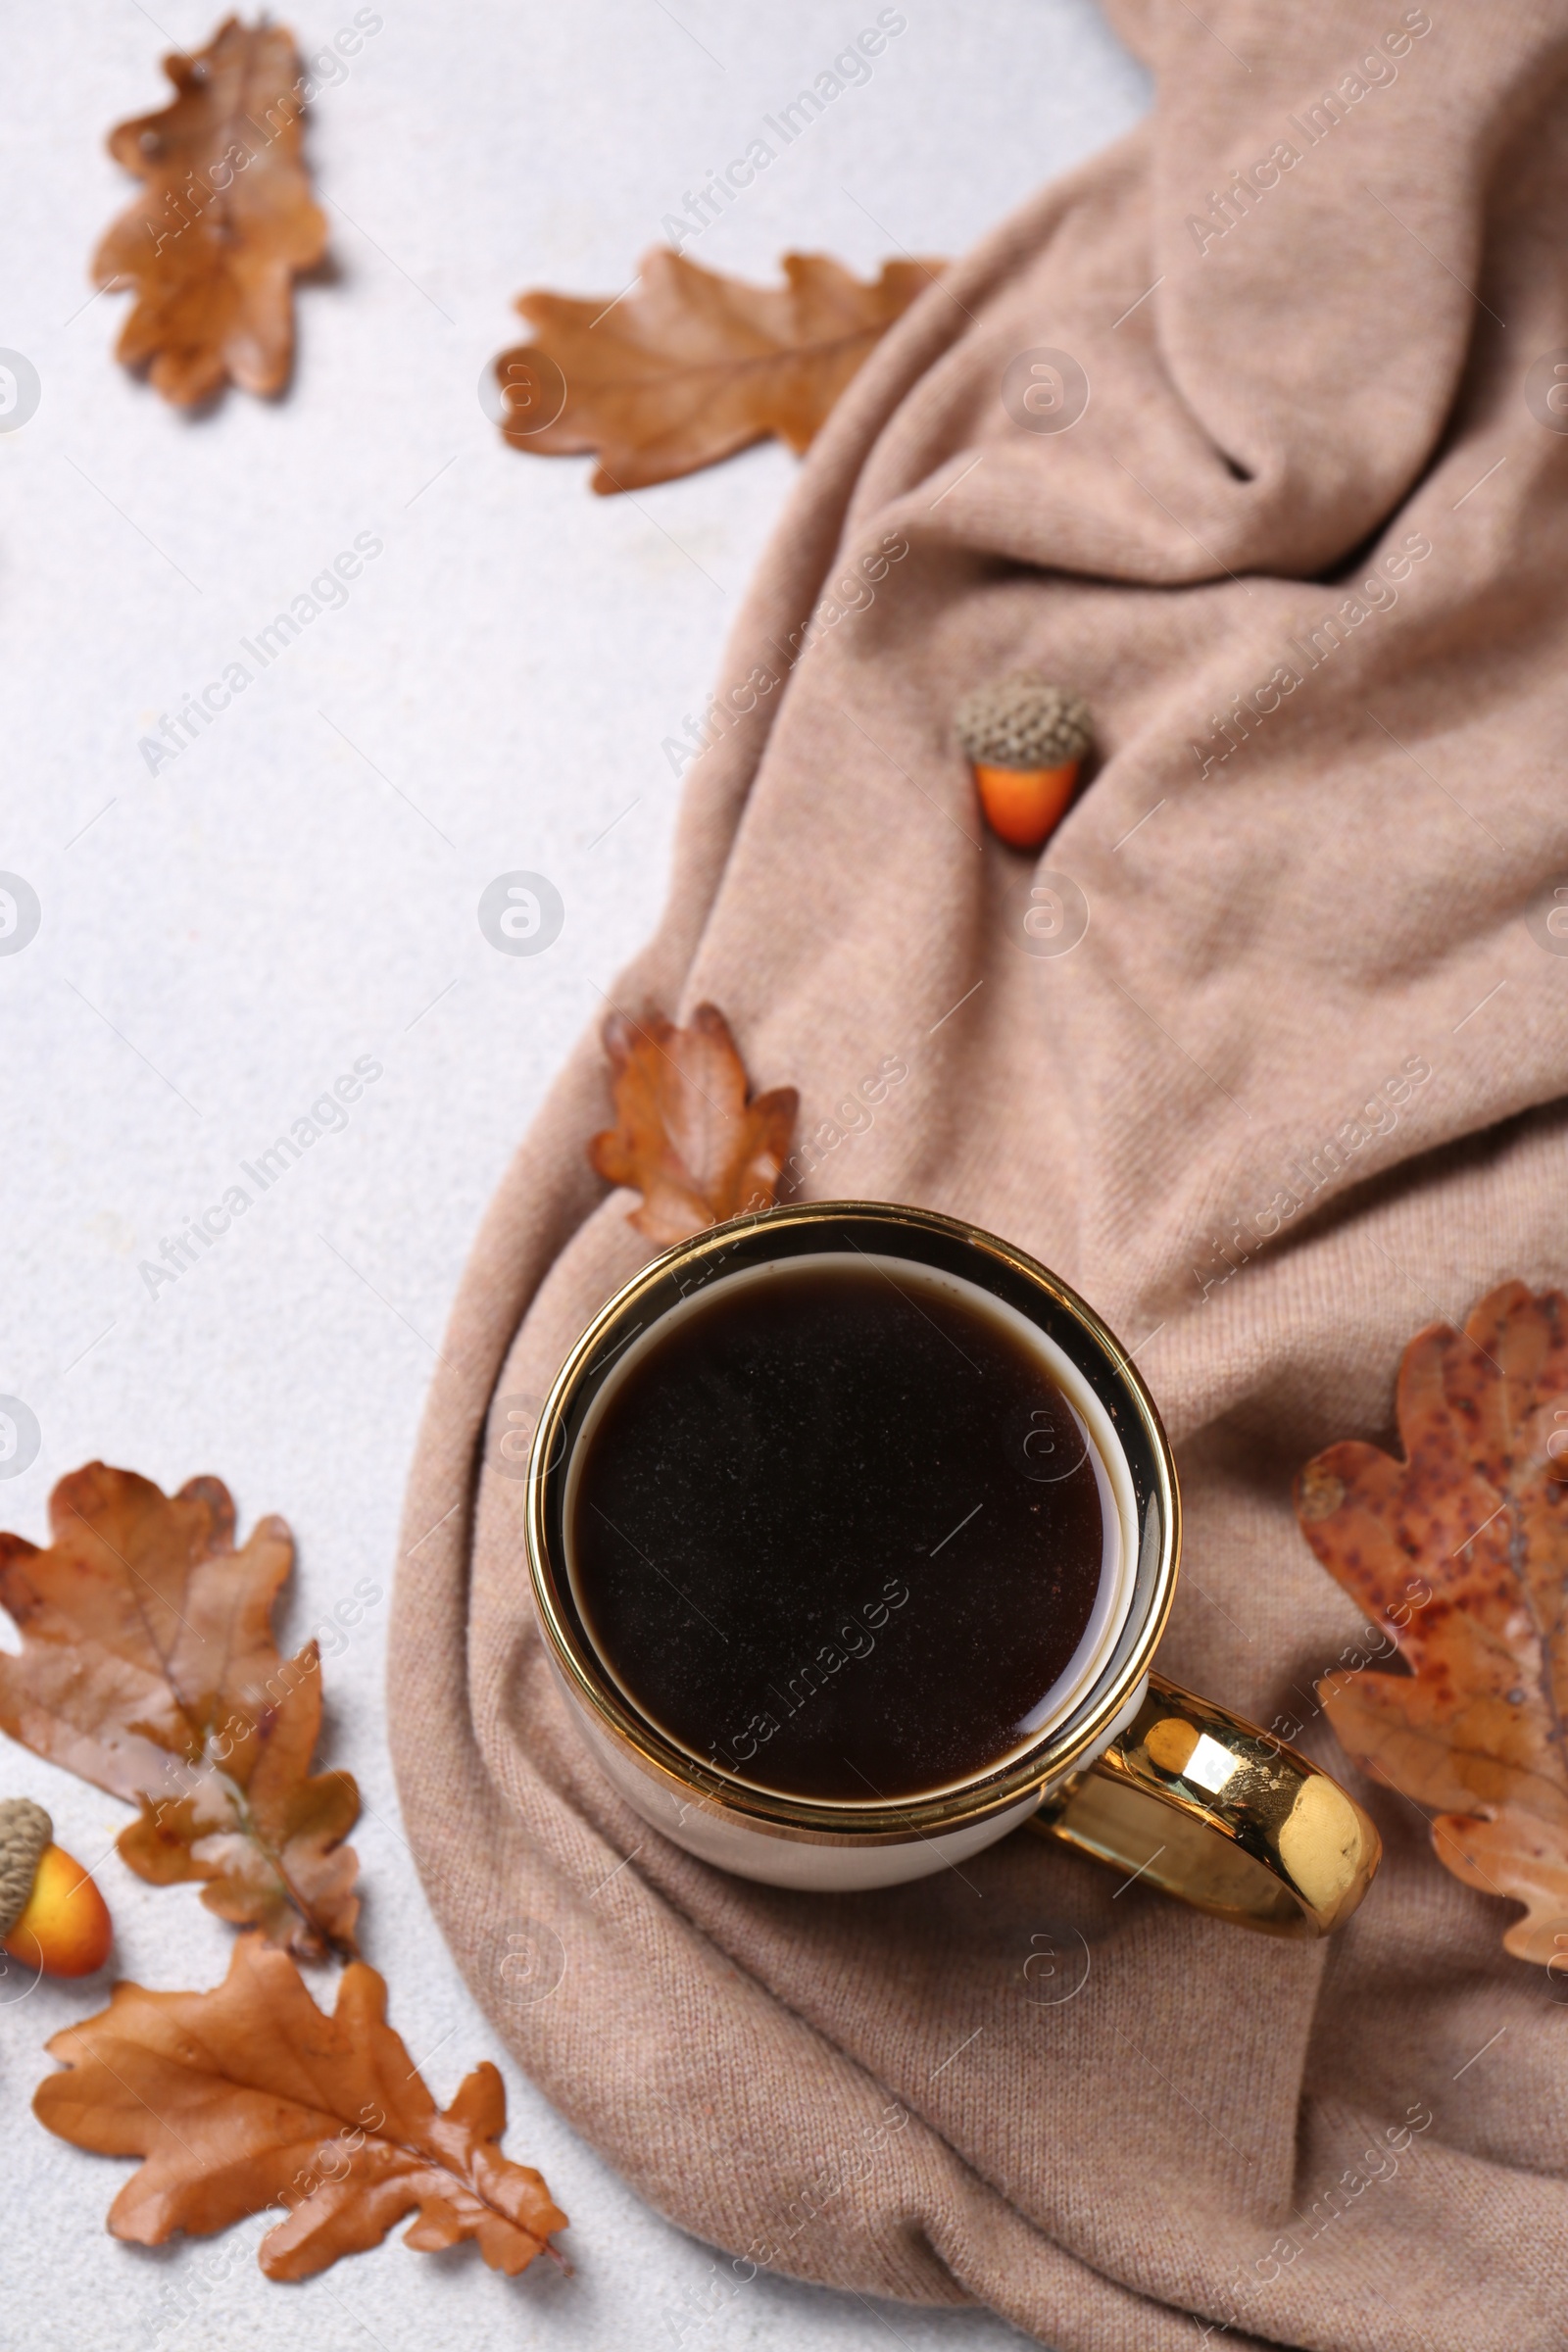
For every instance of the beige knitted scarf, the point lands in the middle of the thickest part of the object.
(1293, 1094)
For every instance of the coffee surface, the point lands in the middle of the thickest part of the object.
(839, 1531)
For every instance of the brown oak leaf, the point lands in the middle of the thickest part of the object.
(693, 365)
(250, 2095)
(148, 1667)
(225, 220)
(1460, 1551)
(688, 1136)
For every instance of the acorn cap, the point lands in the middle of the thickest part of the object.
(1023, 721)
(25, 1829)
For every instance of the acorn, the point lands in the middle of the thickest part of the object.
(52, 1916)
(1026, 740)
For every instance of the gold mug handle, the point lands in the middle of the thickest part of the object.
(1201, 1803)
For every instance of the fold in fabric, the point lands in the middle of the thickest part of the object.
(1295, 1092)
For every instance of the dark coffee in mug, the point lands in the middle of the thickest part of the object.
(838, 1527)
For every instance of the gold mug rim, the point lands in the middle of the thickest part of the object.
(1044, 1763)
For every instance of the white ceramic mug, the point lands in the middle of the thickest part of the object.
(1127, 1767)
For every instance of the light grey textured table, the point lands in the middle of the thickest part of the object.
(221, 939)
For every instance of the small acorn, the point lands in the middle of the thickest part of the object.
(52, 1916)
(1025, 739)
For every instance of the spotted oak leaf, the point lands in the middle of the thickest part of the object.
(223, 222)
(690, 366)
(1461, 1552)
(689, 1136)
(250, 2096)
(148, 1667)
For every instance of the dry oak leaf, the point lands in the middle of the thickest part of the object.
(1461, 1552)
(226, 220)
(249, 2097)
(688, 1136)
(693, 365)
(148, 1667)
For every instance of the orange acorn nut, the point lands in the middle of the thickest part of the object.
(52, 1916)
(1026, 740)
